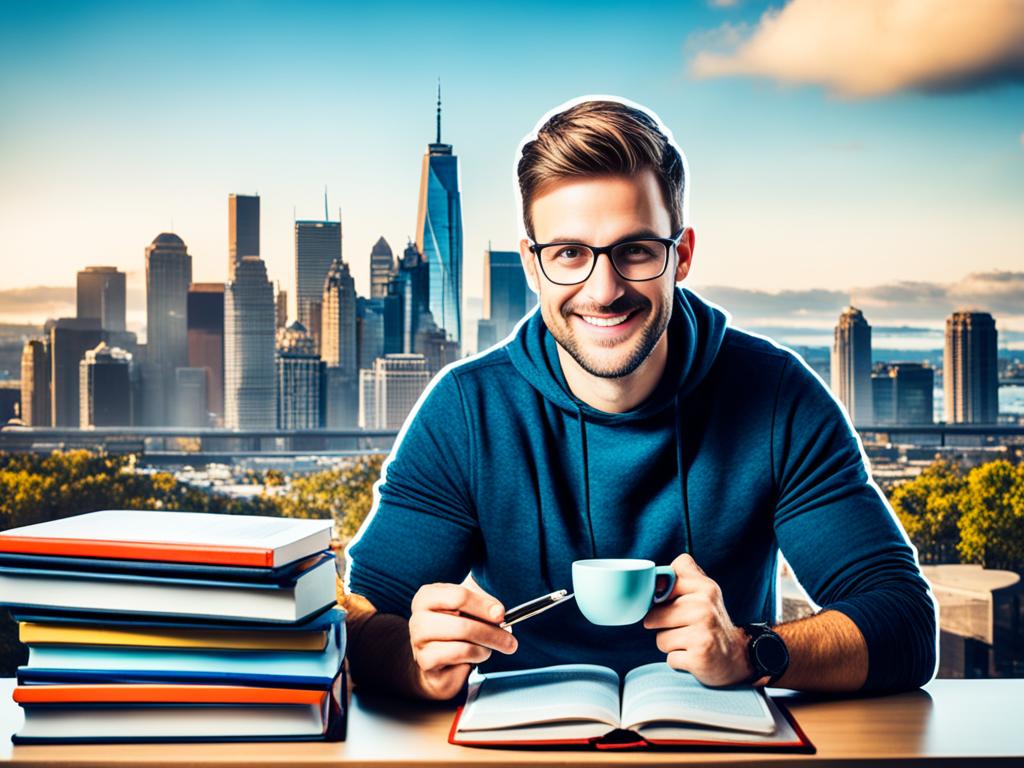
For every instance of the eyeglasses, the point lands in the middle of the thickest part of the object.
(637, 260)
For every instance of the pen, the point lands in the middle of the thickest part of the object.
(533, 607)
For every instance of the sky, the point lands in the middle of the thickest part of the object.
(864, 150)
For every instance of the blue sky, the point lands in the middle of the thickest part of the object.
(122, 120)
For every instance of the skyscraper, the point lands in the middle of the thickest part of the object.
(389, 390)
(414, 289)
(249, 366)
(243, 229)
(168, 276)
(970, 374)
(851, 365)
(507, 295)
(338, 340)
(382, 268)
(191, 397)
(281, 307)
(70, 339)
(105, 387)
(101, 294)
(35, 383)
(369, 331)
(206, 341)
(903, 394)
(439, 232)
(317, 246)
(300, 380)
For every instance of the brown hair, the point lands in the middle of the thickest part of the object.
(601, 137)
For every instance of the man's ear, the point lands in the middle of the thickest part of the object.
(529, 265)
(685, 252)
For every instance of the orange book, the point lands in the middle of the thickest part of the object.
(164, 694)
(182, 537)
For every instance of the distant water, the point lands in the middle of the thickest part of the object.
(1011, 400)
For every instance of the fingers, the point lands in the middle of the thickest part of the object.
(455, 597)
(687, 610)
(432, 626)
(447, 653)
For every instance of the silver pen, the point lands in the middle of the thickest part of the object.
(533, 607)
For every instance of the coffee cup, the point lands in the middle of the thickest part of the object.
(618, 591)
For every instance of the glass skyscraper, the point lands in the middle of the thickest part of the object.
(317, 246)
(250, 397)
(439, 232)
(851, 365)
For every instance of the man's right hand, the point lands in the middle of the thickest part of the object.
(446, 642)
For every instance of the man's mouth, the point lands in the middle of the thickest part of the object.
(605, 321)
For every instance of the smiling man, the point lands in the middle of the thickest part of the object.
(626, 418)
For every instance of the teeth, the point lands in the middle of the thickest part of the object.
(605, 321)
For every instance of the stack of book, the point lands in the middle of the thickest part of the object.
(176, 626)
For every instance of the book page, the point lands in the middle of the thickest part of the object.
(546, 695)
(784, 734)
(657, 692)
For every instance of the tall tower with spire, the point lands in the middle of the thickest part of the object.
(439, 232)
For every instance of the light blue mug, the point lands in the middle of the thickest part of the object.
(618, 591)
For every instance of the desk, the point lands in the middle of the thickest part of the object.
(954, 722)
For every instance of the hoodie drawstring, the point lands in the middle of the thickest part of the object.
(677, 418)
(586, 479)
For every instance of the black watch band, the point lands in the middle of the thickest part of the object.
(767, 651)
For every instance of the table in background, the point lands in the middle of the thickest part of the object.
(959, 722)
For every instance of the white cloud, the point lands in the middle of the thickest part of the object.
(860, 48)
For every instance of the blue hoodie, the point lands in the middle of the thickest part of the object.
(740, 451)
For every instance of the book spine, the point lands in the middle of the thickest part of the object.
(140, 550)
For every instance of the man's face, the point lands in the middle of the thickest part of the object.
(600, 210)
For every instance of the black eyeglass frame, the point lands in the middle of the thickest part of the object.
(668, 242)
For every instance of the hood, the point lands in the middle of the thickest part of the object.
(695, 334)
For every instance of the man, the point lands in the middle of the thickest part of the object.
(625, 418)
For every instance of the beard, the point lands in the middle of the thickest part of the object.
(649, 336)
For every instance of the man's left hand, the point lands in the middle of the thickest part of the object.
(695, 630)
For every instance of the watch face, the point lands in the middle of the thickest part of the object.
(771, 653)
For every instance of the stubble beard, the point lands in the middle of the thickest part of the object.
(649, 336)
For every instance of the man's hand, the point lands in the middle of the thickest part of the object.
(445, 644)
(695, 629)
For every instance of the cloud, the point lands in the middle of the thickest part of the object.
(861, 48)
(999, 292)
(40, 300)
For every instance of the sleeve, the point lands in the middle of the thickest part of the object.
(841, 537)
(422, 527)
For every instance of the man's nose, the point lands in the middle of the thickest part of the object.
(604, 285)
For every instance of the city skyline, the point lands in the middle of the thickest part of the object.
(799, 155)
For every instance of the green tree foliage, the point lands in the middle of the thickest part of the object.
(929, 508)
(992, 525)
(973, 517)
(344, 495)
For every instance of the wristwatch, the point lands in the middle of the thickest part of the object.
(768, 652)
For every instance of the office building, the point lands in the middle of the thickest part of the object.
(341, 399)
(168, 277)
(369, 331)
(382, 268)
(437, 348)
(317, 246)
(206, 342)
(903, 394)
(300, 380)
(101, 294)
(338, 345)
(969, 372)
(486, 333)
(105, 387)
(191, 397)
(412, 285)
(35, 383)
(70, 339)
(250, 400)
(439, 232)
(507, 295)
(851, 365)
(389, 390)
(243, 229)
(281, 308)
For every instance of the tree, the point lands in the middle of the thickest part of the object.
(929, 507)
(992, 525)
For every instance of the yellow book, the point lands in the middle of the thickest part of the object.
(38, 633)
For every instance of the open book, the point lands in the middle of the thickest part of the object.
(580, 704)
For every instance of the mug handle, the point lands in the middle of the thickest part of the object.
(664, 570)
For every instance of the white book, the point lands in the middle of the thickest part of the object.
(307, 593)
(581, 703)
(189, 537)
